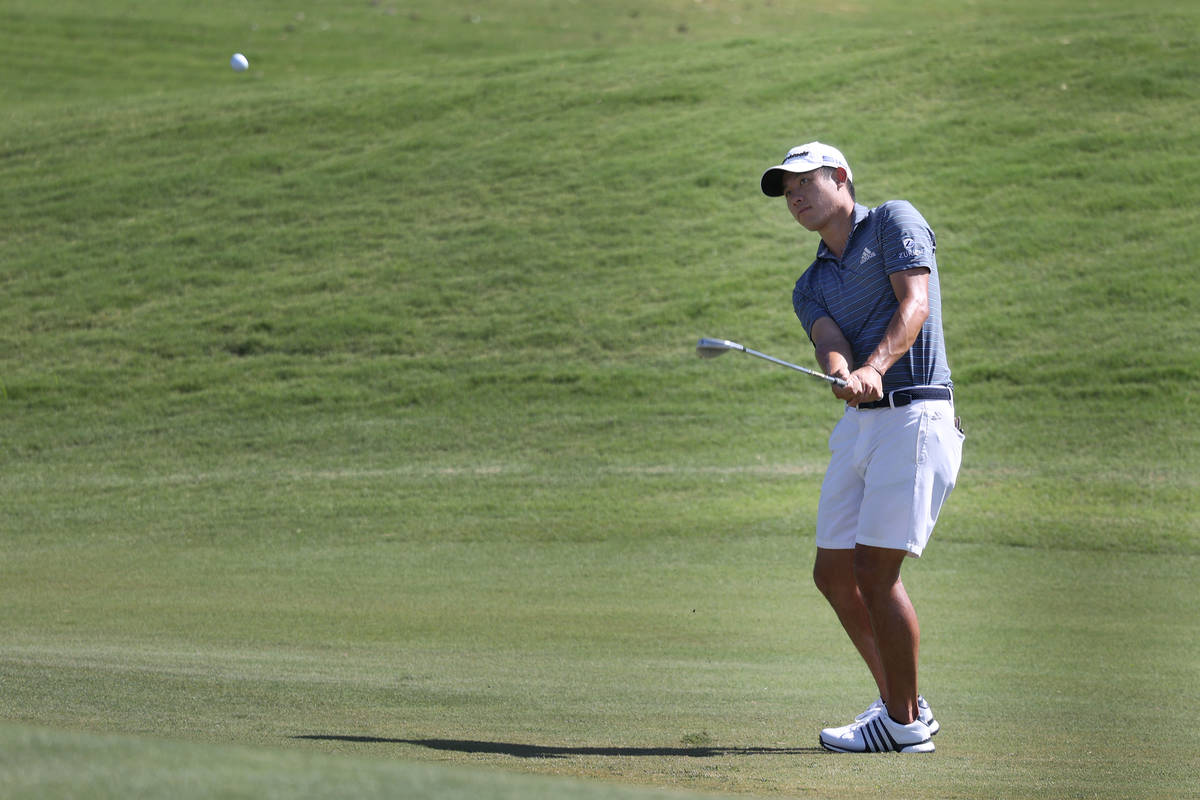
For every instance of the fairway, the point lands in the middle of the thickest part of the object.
(353, 440)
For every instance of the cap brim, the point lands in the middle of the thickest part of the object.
(772, 179)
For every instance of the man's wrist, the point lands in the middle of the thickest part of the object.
(877, 369)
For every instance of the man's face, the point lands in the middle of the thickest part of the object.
(812, 197)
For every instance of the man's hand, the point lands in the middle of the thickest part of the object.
(848, 392)
(870, 383)
(864, 385)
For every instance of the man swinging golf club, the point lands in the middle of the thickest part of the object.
(871, 304)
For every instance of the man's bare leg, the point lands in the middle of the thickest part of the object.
(834, 574)
(893, 623)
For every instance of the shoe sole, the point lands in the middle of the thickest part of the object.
(923, 747)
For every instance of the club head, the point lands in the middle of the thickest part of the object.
(711, 348)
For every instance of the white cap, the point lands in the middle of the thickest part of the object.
(804, 158)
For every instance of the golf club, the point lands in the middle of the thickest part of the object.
(711, 348)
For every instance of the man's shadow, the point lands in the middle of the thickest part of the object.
(550, 751)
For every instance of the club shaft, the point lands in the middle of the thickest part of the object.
(714, 347)
(797, 367)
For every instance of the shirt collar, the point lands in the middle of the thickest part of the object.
(861, 212)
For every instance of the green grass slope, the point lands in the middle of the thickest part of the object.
(353, 397)
(479, 235)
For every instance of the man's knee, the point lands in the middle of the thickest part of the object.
(822, 579)
(833, 574)
(876, 571)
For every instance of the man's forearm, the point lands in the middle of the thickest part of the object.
(833, 350)
(901, 332)
(912, 292)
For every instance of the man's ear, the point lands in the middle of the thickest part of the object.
(840, 176)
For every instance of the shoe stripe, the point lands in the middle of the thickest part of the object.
(887, 743)
(868, 739)
(878, 732)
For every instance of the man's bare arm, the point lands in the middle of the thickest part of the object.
(912, 290)
(835, 356)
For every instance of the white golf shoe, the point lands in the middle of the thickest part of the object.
(878, 734)
(924, 713)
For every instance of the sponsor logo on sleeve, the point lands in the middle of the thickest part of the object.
(911, 247)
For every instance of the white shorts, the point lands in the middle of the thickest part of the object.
(890, 471)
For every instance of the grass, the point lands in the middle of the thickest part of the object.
(351, 436)
(49, 763)
(668, 662)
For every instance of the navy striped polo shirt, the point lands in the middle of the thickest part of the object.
(855, 292)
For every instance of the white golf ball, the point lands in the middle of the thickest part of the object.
(239, 63)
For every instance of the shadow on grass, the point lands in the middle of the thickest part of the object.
(547, 751)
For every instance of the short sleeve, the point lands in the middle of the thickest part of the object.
(905, 238)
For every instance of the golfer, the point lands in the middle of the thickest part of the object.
(871, 304)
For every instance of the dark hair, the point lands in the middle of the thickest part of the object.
(829, 171)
